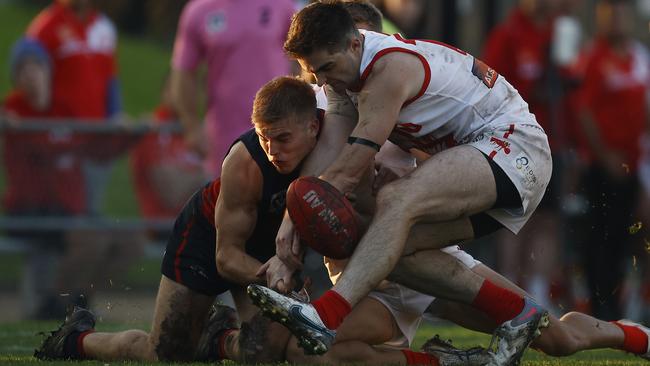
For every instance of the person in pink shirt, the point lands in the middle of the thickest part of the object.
(241, 44)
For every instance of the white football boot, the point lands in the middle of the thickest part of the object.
(299, 317)
(516, 334)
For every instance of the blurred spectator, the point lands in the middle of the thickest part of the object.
(45, 179)
(42, 178)
(365, 14)
(241, 43)
(519, 49)
(614, 116)
(165, 172)
(403, 16)
(81, 43)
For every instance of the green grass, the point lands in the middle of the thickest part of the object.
(18, 340)
(142, 65)
(144, 274)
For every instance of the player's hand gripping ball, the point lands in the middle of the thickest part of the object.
(323, 217)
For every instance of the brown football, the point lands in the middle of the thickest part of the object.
(324, 219)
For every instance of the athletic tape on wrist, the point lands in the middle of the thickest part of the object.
(362, 141)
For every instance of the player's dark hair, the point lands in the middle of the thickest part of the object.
(363, 11)
(283, 97)
(319, 25)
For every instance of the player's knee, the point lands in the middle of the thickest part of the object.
(174, 352)
(411, 204)
(263, 342)
(391, 198)
(174, 345)
(133, 344)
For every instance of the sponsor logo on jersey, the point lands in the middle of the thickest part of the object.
(484, 73)
(523, 164)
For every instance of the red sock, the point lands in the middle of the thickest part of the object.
(419, 358)
(498, 303)
(80, 343)
(332, 308)
(635, 341)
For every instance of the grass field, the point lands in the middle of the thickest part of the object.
(18, 340)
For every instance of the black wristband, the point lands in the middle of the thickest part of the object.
(361, 141)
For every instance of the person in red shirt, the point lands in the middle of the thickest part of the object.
(614, 115)
(44, 176)
(81, 43)
(41, 169)
(43, 173)
(165, 172)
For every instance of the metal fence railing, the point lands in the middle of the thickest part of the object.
(131, 131)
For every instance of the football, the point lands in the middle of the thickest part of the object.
(324, 219)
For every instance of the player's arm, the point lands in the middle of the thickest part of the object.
(395, 78)
(339, 121)
(188, 54)
(236, 216)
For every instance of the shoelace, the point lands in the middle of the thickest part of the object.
(300, 296)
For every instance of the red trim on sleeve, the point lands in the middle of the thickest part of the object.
(425, 64)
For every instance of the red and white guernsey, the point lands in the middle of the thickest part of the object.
(460, 96)
(464, 101)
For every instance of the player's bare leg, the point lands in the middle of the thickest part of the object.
(346, 353)
(371, 324)
(178, 321)
(437, 191)
(571, 333)
(430, 270)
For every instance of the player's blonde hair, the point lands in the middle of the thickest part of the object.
(283, 97)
